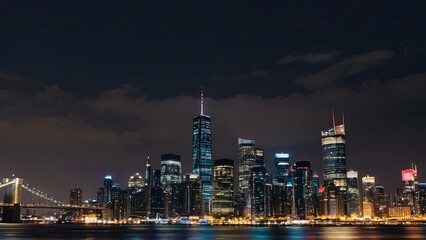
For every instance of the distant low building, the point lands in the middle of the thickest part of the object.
(76, 196)
(400, 212)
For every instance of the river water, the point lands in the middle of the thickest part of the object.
(141, 232)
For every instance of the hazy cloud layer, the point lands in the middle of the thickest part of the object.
(50, 132)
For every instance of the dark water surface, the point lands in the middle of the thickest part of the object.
(139, 232)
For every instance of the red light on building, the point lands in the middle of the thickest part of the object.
(408, 174)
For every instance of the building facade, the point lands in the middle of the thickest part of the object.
(157, 196)
(258, 195)
(223, 188)
(202, 154)
(354, 204)
(303, 190)
(192, 195)
(282, 167)
(76, 196)
(246, 160)
(334, 166)
(170, 170)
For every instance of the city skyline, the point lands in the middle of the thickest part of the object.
(85, 93)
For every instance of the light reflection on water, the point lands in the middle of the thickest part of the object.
(154, 232)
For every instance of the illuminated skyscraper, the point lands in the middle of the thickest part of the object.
(354, 206)
(334, 165)
(135, 181)
(115, 200)
(170, 180)
(368, 189)
(315, 193)
(170, 170)
(303, 190)
(334, 155)
(381, 203)
(192, 200)
(148, 173)
(138, 196)
(260, 158)
(157, 196)
(107, 192)
(247, 159)
(258, 195)
(422, 198)
(148, 185)
(223, 188)
(410, 193)
(282, 167)
(202, 154)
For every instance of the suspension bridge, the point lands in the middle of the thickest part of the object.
(15, 189)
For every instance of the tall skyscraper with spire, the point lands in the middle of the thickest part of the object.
(334, 166)
(202, 153)
(334, 154)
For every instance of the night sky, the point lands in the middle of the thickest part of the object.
(89, 88)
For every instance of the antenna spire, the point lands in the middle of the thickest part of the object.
(202, 101)
(334, 120)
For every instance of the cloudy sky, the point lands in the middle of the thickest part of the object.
(90, 88)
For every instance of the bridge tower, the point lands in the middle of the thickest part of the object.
(12, 196)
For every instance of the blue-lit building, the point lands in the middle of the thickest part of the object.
(105, 192)
(202, 154)
(170, 170)
(282, 167)
(170, 180)
(115, 198)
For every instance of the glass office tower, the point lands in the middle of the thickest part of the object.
(247, 159)
(170, 170)
(282, 167)
(354, 206)
(303, 190)
(334, 166)
(202, 154)
(334, 156)
(223, 188)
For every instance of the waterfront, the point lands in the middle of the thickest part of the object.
(142, 232)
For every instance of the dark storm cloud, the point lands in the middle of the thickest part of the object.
(309, 57)
(349, 66)
(9, 77)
